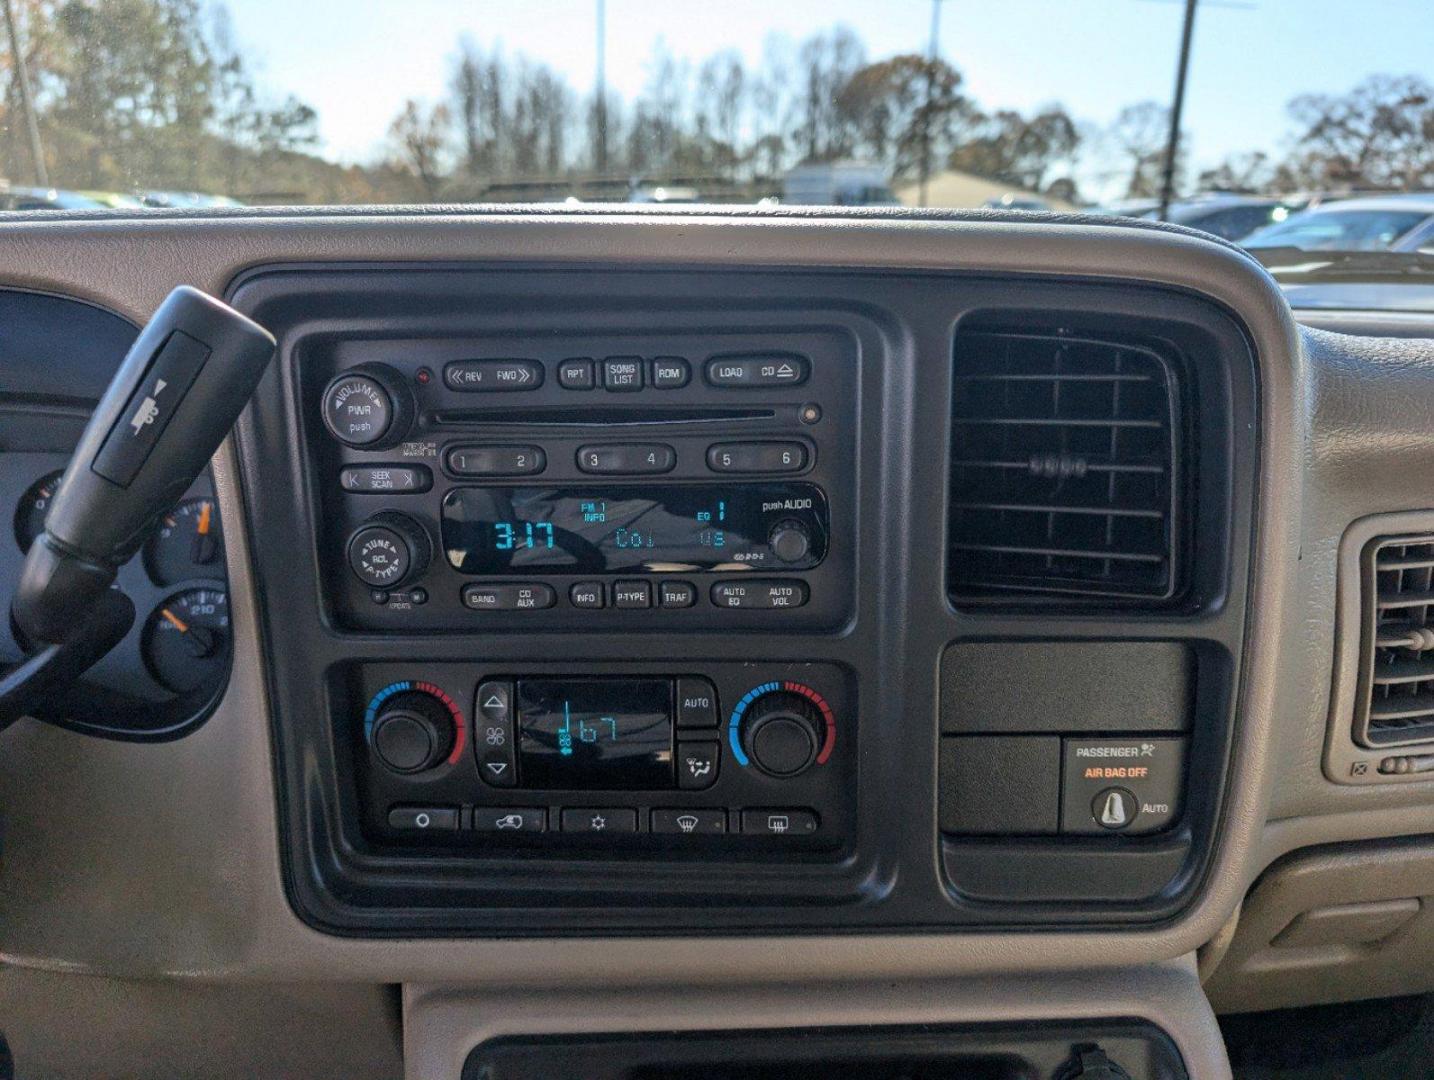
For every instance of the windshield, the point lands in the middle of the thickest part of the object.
(1284, 108)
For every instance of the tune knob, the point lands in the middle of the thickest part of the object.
(412, 732)
(369, 407)
(781, 732)
(389, 549)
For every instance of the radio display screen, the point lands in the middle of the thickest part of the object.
(595, 734)
(656, 528)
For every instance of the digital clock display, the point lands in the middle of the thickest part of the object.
(660, 528)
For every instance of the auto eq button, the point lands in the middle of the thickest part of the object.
(765, 594)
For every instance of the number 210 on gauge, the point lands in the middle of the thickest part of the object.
(508, 536)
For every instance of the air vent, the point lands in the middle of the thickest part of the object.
(1395, 702)
(1064, 466)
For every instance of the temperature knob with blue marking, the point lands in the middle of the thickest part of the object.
(413, 726)
(782, 729)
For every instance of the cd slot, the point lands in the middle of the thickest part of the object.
(600, 416)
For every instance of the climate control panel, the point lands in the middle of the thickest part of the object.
(487, 757)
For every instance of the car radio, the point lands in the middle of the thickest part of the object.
(585, 483)
(486, 757)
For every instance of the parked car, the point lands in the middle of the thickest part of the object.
(1229, 216)
(838, 183)
(28, 198)
(186, 200)
(1378, 223)
(115, 200)
(664, 193)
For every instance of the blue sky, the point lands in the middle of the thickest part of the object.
(357, 60)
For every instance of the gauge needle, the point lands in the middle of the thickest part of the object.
(174, 620)
(204, 548)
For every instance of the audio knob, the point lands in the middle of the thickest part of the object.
(369, 407)
(781, 732)
(790, 541)
(412, 732)
(389, 549)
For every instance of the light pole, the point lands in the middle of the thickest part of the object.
(932, 53)
(1172, 142)
(27, 104)
(601, 113)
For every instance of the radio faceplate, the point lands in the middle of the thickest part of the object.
(674, 482)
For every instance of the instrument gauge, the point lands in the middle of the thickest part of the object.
(34, 505)
(188, 544)
(187, 639)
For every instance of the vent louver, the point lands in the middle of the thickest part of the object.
(1064, 467)
(1395, 705)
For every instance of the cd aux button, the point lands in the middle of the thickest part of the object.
(508, 597)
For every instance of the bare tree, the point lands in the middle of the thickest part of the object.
(897, 108)
(1380, 134)
(1139, 134)
(419, 135)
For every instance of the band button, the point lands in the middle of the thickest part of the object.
(508, 597)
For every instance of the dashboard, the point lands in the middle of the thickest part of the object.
(959, 607)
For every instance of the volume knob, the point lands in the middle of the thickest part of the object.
(369, 407)
(781, 733)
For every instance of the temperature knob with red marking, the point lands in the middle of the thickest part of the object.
(412, 730)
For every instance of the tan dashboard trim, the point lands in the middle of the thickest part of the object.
(164, 859)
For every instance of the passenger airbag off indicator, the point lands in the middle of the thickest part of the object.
(1131, 786)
